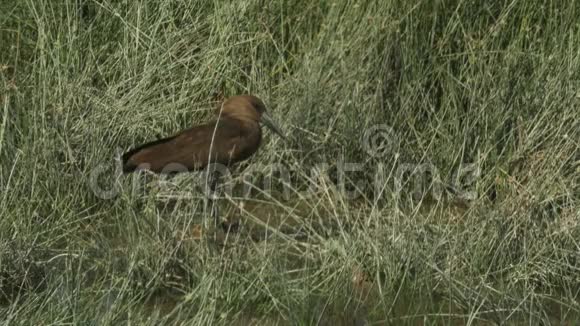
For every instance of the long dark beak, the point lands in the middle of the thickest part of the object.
(270, 123)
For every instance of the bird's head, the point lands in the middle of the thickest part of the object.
(249, 108)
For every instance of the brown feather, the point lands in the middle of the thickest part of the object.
(234, 137)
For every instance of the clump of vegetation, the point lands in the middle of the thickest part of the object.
(433, 162)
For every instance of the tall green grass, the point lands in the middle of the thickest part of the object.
(494, 86)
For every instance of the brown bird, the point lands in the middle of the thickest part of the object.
(231, 138)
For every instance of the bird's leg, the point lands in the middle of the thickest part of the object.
(215, 179)
(213, 183)
(232, 222)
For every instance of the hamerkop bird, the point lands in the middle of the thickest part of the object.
(231, 138)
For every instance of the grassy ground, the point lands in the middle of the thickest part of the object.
(463, 118)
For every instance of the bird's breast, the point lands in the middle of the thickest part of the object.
(248, 144)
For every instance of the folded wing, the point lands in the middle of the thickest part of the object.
(226, 142)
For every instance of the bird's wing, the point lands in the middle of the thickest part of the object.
(190, 149)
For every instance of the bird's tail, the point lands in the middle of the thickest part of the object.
(127, 159)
